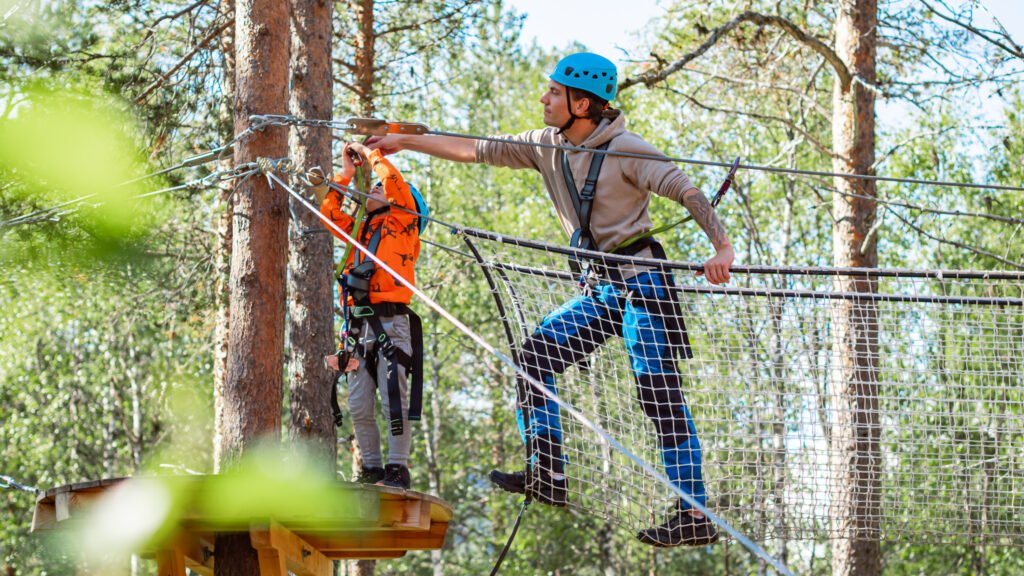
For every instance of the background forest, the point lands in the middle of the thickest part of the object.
(112, 345)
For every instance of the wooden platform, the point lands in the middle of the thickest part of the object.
(363, 522)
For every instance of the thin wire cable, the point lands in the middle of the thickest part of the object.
(344, 125)
(476, 338)
(243, 171)
(8, 482)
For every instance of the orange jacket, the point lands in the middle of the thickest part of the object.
(400, 237)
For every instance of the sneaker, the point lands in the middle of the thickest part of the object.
(681, 529)
(396, 476)
(370, 475)
(514, 482)
(547, 490)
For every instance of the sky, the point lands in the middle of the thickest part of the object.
(603, 26)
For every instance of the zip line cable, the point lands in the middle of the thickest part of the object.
(476, 338)
(378, 127)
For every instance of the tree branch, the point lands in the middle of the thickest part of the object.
(1013, 49)
(789, 123)
(423, 23)
(184, 60)
(960, 245)
(659, 74)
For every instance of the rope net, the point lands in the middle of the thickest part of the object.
(899, 412)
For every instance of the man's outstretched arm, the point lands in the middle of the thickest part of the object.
(445, 147)
(717, 268)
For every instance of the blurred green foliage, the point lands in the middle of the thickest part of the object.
(105, 356)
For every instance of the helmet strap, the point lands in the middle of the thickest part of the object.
(572, 117)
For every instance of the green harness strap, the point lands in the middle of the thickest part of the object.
(357, 226)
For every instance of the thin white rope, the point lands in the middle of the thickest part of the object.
(476, 338)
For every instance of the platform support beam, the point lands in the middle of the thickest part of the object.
(281, 551)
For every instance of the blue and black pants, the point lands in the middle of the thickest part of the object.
(642, 310)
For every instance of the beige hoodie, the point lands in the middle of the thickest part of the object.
(624, 185)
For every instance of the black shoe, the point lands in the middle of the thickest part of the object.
(396, 476)
(514, 482)
(547, 490)
(681, 529)
(370, 475)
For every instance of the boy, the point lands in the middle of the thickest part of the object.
(375, 303)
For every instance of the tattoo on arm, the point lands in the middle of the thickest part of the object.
(704, 214)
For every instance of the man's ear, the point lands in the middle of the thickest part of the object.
(580, 107)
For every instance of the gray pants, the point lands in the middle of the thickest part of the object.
(362, 396)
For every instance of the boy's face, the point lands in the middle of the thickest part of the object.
(377, 198)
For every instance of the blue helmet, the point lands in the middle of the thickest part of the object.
(587, 71)
(422, 210)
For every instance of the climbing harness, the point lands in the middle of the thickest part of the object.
(583, 202)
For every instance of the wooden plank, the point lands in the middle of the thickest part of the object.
(405, 513)
(341, 544)
(198, 552)
(71, 504)
(45, 516)
(170, 563)
(272, 562)
(368, 555)
(300, 557)
(441, 511)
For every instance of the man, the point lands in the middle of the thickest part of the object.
(610, 209)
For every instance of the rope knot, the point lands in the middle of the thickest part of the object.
(265, 165)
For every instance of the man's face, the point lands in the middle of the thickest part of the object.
(556, 113)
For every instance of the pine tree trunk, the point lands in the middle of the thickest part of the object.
(310, 309)
(856, 430)
(366, 53)
(255, 364)
(222, 250)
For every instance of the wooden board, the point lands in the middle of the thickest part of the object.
(374, 523)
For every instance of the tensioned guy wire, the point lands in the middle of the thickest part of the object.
(258, 122)
(476, 338)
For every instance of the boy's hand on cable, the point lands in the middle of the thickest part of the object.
(348, 168)
(359, 149)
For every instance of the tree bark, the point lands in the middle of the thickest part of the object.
(222, 249)
(255, 365)
(855, 432)
(365, 55)
(310, 261)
